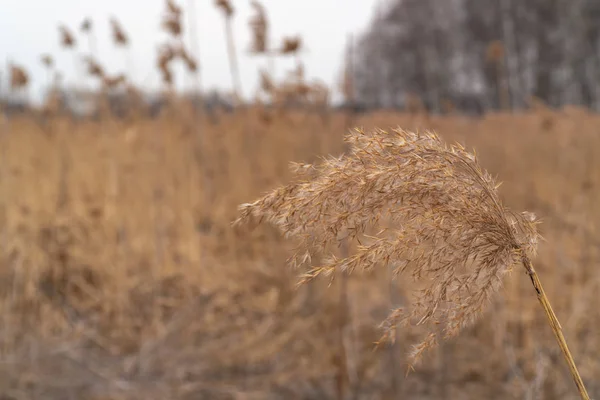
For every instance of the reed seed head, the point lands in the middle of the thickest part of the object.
(173, 8)
(259, 28)
(172, 26)
(189, 61)
(118, 34)
(226, 7)
(86, 25)
(113, 81)
(19, 78)
(291, 45)
(422, 208)
(266, 82)
(47, 60)
(172, 19)
(94, 68)
(67, 40)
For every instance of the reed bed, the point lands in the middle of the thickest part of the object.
(88, 311)
(122, 276)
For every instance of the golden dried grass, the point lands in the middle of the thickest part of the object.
(86, 286)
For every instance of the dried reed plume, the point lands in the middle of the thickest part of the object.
(118, 34)
(67, 39)
(47, 60)
(18, 77)
(94, 68)
(113, 81)
(188, 60)
(165, 56)
(172, 19)
(86, 25)
(173, 8)
(226, 7)
(291, 45)
(259, 26)
(298, 74)
(266, 82)
(438, 220)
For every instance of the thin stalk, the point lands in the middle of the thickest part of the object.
(198, 143)
(233, 63)
(195, 45)
(556, 327)
(343, 375)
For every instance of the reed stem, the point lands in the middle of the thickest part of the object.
(556, 327)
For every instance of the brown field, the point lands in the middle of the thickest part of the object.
(122, 278)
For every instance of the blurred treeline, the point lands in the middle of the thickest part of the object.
(480, 55)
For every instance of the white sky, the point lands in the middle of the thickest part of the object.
(28, 28)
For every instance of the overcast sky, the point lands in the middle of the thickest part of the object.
(28, 28)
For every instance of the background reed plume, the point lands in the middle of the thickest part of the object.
(226, 7)
(47, 60)
(259, 27)
(87, 28)
(291, 45)
(422, 208)
(118, 34)
(172, 19)
(94, 68)
(19, 78)
(67, 39)
(166, 55)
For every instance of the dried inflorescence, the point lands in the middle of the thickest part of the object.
(266, 82)
(259, 27)
(47, 60)
(173, 8)
(19, 78)
(166, 55)
(226, 7)
(94, 68)
(188, 60)
(169, 53)
(291, 45)
(67, 39)
(113, 81)
(426, 210)
(86, 25)
(172, 19)
(118, 34)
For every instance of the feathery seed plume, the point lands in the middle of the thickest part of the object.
(226, 7)
(86, 25)
(94, 68)
(172, 19)
(425, 209)
(259, 27)
(19, 78)
(47, 60)
(291, 45)
(118, 34)
(67, 39)
(451, 234)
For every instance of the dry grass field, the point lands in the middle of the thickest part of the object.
(122, 277)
